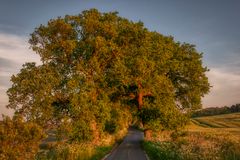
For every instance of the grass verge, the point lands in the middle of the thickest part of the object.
(160, 151)
(100, 152)
(75, 152)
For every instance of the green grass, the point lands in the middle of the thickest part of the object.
(161, 150)
(71, 152)
(100, 152)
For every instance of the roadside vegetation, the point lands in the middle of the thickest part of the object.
(213, 137)
(74, 152)
(19, 139)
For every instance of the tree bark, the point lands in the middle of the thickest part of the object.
(148, 134)
(140, 100)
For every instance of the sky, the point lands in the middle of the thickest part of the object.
(212, 25)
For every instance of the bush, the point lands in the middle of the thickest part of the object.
(19, 139)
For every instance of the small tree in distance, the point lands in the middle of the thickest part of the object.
(100, 70)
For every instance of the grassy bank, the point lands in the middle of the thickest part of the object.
(160, 151)
(205, 138)
(54, 150)
(75, 152)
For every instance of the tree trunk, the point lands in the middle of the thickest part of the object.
(140, 100)
(148, 134)
(96, 134)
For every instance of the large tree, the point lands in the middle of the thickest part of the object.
(97, 68)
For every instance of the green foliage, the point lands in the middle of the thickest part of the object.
(19, 139)
(81, 131)
(158, 117)
(101, 152)
(99, 70)
(110, 127)
(30, 94)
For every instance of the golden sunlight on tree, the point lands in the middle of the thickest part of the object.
(101, 72)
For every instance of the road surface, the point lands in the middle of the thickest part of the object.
(130, 148)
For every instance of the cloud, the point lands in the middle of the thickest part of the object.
(225, 90)
(15, 48)
(13, 29)
(6, 62)
(4, 81)
(222, 54)
(14, 51)
(3, 103)
(7, 67)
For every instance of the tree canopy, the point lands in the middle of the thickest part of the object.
(100, 71)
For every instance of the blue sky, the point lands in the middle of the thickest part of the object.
(213, 26)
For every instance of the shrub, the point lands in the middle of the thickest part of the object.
(19, 139)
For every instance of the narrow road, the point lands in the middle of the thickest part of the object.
(130, 148)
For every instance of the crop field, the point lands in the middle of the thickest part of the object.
(227, 124)
(211, 137)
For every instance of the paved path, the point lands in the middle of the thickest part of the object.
(130, 148)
